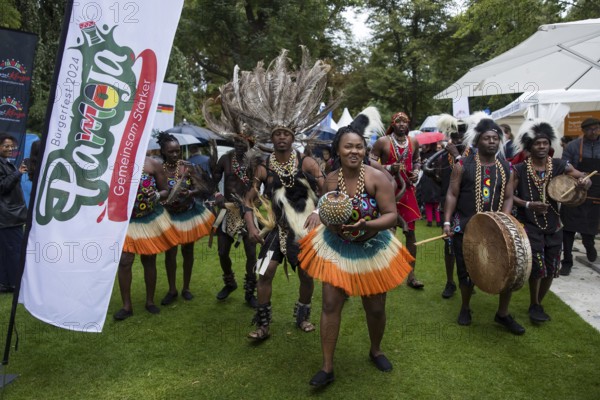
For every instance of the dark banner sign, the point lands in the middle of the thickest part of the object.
(17, 50)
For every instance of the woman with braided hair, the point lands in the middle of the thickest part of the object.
(337, 252)
(190, 218)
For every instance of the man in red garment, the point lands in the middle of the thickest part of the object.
(400, 156)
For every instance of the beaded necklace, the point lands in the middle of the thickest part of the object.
(239, 170)
(479, 195)
(286, 171)
(540, 183)
(167, 165)
(400, 151)
(356, 199)
(360, 185)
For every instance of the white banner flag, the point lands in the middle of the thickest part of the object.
(460, 107)
(165, 111)
(113, 64)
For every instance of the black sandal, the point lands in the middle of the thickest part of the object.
(168, 299)
(381, 362)
(415, 284)
(321, 379)
(260, 334)
(261, 319)
(302, 315)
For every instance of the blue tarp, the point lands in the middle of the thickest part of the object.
(24, 153)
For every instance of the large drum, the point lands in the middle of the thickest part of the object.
(497, 252)
(561, 184)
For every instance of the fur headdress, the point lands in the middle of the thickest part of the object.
(479, 123)
(448, 125)
(279, 98)
(532, 130)
(367, 122)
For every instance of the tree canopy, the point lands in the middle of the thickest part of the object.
(417, 47)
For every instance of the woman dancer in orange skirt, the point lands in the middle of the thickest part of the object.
(356, 255)
(190, 218)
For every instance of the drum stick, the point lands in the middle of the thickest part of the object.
(573, 188)
(431, 239)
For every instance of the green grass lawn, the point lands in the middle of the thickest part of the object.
(199, 350)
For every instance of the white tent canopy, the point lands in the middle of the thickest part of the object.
(345, 119)
(550, 105)
(557, 56)
(544, 104)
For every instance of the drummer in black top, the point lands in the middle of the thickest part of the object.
(584, 154)
(537, 211)
(481, 182)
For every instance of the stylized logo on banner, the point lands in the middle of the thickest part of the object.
(13, 70)
(108, 90)
(11, 109)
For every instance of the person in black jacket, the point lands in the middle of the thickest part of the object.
(13, 214)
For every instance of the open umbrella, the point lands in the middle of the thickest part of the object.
(183, 140)
(429, 137)
(203, 134)
(557, 56)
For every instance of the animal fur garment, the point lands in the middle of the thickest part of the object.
(368, 121)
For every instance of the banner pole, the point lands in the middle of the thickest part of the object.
(51, 99)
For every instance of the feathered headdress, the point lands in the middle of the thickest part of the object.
(230, 125)
(532, 130)
(448, 125)
(479, 123)
(279, 98)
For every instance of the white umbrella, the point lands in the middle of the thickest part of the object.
(557, 56)
(203, 134)
(183, 140)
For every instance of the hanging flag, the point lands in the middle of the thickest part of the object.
(165, 110)
(111, 65)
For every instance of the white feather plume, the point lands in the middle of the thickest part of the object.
(529, 130)
(280, 97)
(447, 124)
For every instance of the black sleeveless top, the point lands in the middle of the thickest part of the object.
(528, 191)
(491, 190)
